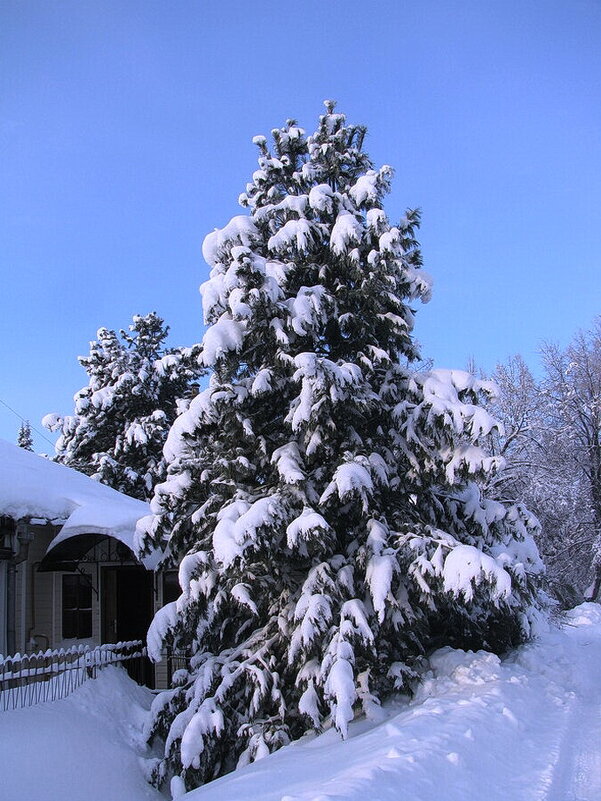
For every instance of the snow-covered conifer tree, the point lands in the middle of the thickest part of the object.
(322, 499)
(24, 437)
(122, 417)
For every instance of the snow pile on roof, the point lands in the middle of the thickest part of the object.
(34, 488)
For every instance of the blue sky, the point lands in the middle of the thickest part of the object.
(126, 136)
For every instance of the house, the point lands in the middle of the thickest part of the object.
(68, 571)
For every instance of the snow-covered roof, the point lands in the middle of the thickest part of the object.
(36, 489)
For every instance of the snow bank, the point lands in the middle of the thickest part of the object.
(87, 746)
(525, 728)
(479, 727)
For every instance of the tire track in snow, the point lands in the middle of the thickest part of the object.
(576, 775)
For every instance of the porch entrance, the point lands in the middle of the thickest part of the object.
(127, 606)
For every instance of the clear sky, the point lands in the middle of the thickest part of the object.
(126, 134)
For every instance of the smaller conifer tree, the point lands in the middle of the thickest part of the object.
(137, 386)
(24, 437)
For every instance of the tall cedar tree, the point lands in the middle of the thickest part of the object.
(321, 498)
(122, 417)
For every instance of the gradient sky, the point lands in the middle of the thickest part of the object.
(126, 134)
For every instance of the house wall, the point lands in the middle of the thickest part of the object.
(39, 601)
(3, 610)
(30, 620)
(105, 554)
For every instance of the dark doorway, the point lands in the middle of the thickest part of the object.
(127, 607)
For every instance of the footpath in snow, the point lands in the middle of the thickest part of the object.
(525, 729)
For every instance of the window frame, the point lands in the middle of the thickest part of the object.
(80, 627)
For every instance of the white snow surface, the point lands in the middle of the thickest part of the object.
(32, 487)
(224, 336)
(86, 747)
(347, 230)
(525, 728)
(466, 567)
(240, 228)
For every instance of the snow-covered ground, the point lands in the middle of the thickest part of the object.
(525, 729)
(83, 748)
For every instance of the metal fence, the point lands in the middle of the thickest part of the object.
(176, 661)
(30, 679)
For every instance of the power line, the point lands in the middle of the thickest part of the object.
(25, 420)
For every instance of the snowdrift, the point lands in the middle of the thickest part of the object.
(524, 728)
(521, 729)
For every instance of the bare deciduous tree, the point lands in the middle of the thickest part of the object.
(572, 388)
(552, 446)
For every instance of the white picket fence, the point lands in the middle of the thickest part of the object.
(28, 679)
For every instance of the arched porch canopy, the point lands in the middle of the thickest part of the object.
(68, 553)
(85, 529)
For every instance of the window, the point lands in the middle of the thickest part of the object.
(171, 588)
(77, 607)
(7, 533)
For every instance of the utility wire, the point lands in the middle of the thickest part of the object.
(25, 420)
